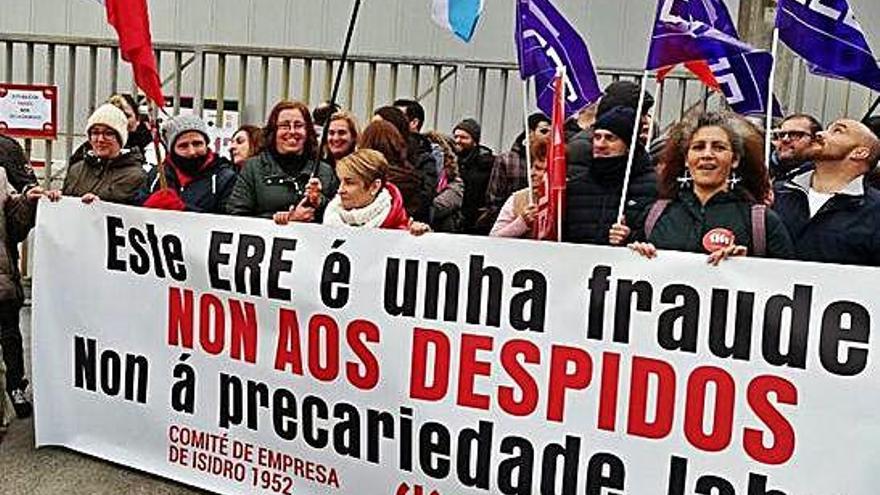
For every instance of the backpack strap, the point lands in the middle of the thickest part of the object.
(654, 213)
(759, 229)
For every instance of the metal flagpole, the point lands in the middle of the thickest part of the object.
(632, 145)
(768, 125)
(527, 143)
(871, 110)
(658, 90)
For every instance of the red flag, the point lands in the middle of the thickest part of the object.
(699, 68)
(552, 204)
(131, 19)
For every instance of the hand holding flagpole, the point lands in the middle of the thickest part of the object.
(632, 146)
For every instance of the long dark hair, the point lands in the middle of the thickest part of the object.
(748, 147)
(310, 149)
(255, 138)
(383, 137)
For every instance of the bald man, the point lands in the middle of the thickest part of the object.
(832, 214)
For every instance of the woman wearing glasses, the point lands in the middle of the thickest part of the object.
(287, 175)
(107, 171)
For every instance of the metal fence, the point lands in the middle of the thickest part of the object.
(250, 80)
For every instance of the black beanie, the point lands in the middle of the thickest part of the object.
(623, 94)
(619, 121)
(471, 127)
(536, 118)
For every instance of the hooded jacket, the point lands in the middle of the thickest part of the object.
(206, 191)
(117, 180)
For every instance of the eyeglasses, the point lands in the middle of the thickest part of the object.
(108, 134)
(286, 126)
(791, 135)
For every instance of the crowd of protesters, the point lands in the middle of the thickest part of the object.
(702, 186)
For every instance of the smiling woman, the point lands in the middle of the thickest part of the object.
(713, 186)
(287, 175)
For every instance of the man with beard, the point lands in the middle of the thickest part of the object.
(596, 184)
(475, 163)
(831, 212)
(198, 179)
(793, 142)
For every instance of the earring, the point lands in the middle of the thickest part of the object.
(685, 180)
(733, 180)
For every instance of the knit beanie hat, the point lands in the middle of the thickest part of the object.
(619, 121)
(471, 127)
(623, 94)
(536, 118)
(182, 124)
(112, 117)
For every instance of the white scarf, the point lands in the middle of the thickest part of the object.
(371, 215)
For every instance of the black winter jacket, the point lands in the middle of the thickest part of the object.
(594, 189)
(206, 193)
(475, 168)
(685, 222)
(845, 230)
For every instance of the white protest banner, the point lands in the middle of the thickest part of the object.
(243, 357)
(29, 110)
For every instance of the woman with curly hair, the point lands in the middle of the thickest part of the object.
(713, 189)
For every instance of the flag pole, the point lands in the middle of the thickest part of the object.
(768, 126)
(525, 97)
(157, 143)
(342, 61)
(871, 109)
(658, 90)
(632, 145)
(559, 209)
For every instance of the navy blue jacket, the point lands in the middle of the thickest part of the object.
(845, 230)
(208, 191)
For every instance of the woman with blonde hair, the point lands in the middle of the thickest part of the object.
(365, 197)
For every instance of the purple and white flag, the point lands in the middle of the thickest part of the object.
(680, 36)
(828, 36)
(546, 41)
(742, 74)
